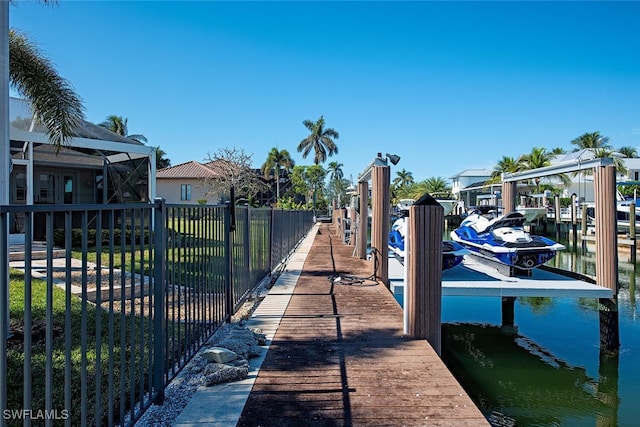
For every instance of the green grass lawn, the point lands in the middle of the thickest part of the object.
(89, 357)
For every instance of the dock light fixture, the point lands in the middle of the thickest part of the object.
(393, 158)
(378, 161)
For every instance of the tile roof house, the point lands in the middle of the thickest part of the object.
(186, 183)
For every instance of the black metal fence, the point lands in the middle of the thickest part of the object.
(97, 319)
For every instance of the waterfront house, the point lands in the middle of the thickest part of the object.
(97, 166)
(471, 186)
(467, 185)
(186, 183)
(193, 182)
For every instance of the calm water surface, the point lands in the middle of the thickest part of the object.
(548, 370)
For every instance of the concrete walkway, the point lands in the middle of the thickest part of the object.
(336, 355)
(222, 404)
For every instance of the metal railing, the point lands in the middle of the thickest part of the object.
(96, 330)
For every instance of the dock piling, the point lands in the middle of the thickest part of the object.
(632, 233)
(380, 217)
(424, 276)
(556, 207)
(508, 311)
(574, 219)
(583, 229)
(604, 182)
(363, 226)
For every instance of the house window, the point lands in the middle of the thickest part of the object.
(21, 187)
(185, 192)
(68, 189)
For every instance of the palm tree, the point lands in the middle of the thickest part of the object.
(277, 159)
(161, 161)
(538, 158)
(432, 185)
(118, 124)
(437, 184)
(403, 178)
(335, 169)
(601, 153)
(506, 165)
(591, 140)
(53, 100)
(628, 152)
(321, 141)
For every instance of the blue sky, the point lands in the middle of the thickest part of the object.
(448, 86)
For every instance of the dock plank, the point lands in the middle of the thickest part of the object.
(340, 357)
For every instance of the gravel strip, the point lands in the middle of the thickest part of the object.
(184, 386)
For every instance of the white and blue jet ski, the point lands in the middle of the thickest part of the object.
(452, 252)
(504, 239)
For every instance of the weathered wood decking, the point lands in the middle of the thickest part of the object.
(339, 357)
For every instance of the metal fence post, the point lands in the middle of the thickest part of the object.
(4, 309)
(159, 287)
(271, 240)
(247, 252)
(228, 282)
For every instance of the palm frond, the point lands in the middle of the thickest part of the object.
(54, 101)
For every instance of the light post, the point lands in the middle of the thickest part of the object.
(277, 173)
(378, 172)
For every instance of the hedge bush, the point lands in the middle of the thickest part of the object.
(76, 237)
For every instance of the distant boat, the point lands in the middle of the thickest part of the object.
(623, 214)
(447, 204)
(405, 204)
(532, 214)
(532, 206)
(623, 211)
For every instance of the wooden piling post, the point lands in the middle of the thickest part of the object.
(604, 183)
(508, 197)
(508, 311)
(556, 207)
(424, 278)
(341, 228)
(363, 226)
(380, 218)
(352, 226)
(632, 233)
(574, 220)
(583, 229)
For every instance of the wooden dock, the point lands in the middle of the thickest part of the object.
(339, 356)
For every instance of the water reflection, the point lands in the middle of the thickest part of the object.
(513, 378)
(608, 390)
(547, 369)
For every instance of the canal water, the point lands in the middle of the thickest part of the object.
(548, 369)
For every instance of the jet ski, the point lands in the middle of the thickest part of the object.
(452, 252)
(504, 239)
